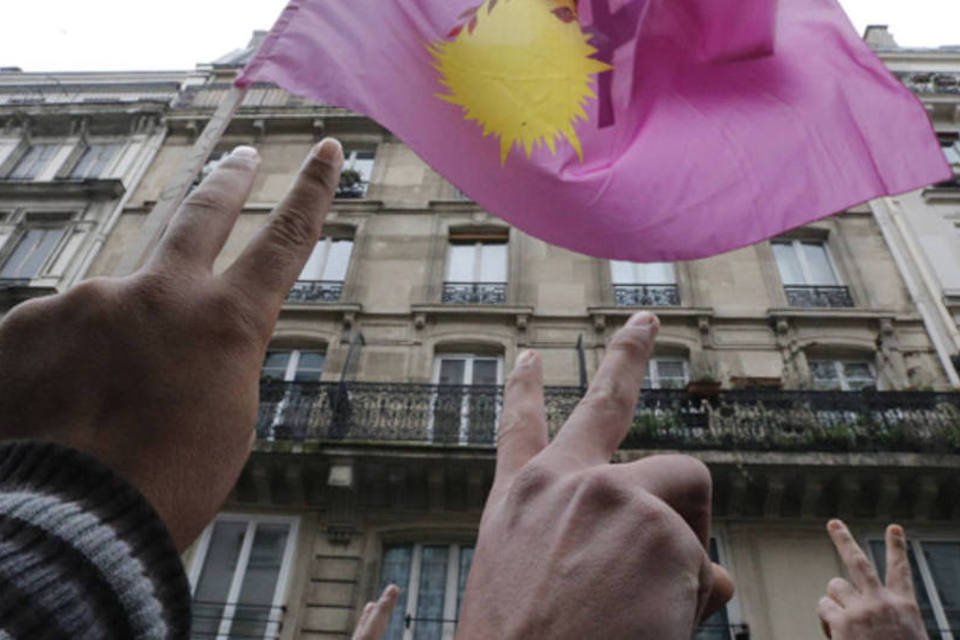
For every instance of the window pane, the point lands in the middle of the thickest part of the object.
(943, 559)
(396, 570)
(788, 263)
(31, 253)
(493, 263)
(657, 273)
(825, 377)
(362, 163)
(431, 596)
(671, 374)
(858, 375)
(94, 160)
(466, 559)
(622, 272)
(818, 264)
(953, 153)
(461, 260)
(648, 377)
(33, 162)
(339, 261)
(313, 270)
(310, 366)
(254, 605)
(213, 587)
(485, 372)
(275, 365)
(878, 549)
(452, 372)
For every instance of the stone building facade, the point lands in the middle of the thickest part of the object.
(803, 371)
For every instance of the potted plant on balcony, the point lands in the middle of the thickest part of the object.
(705, 379)
(351, 184)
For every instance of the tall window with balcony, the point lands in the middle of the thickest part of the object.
(935, 565)
(667, 373)
(325, 272)
(32, 247)
(432, 579)
(356, 174)
(34, 161)
(476, 270)
(289, 393)
(467, 400)
(239, 576)
(651, 284)
(809, 276)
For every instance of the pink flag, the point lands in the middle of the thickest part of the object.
(648, 130)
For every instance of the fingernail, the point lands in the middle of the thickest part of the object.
(836, 525)
(245, 152)
(525, 358)
(898, 531)
(329, 150)
(643, 319)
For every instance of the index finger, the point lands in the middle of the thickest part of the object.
(899, 576)
(274, 259)
(600, 422)
(861, 570)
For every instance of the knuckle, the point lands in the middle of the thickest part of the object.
(633, 342)
(206, 199)
(510, 422)
(836, 585)
(610, 397)
(293, 226)
(532, 481)
(862, 564)
(600, 488)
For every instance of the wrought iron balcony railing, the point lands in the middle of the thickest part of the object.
(234, 620)
(316, 291)
(665, 418)
(474, 293)
(646, 295)
(818, 297)
(930, 82)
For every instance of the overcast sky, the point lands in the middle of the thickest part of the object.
(66, 35)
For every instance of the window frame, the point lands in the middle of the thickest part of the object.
(451, 601)
(654, 371)
(477, 244)
(796, 244)
(21, 222)
(839, 365)
(734, 613)
(68, 172)
(23, 155)
(327, 242)
(281, 590)
(915, 543)
(637, 281)
(290, 374)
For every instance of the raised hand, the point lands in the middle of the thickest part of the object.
(864, 608)
(156, 374)
(571, 546)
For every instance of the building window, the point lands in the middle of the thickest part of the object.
(293, 366)
(950, 143)
(356, 174)
(32, 163)
(809, 276)
(644, 284)
(239, 576)
(719, 625)
(325, 272)
(476, 270)
(936, 578)
(432, 579)
(94, 161)
(842, 375)
(466, 405)
(667, 373)
(32, 251)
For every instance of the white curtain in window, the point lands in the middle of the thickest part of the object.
(329, 261)
(477, 262)
(637, 273)
(804, 263)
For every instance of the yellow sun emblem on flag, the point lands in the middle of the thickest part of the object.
(522, 69)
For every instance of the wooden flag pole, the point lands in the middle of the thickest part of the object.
(175, 192)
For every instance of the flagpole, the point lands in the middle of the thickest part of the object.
(175, 192)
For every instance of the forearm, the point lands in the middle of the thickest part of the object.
(82, 553)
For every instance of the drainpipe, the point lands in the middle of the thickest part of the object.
(921, 283)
